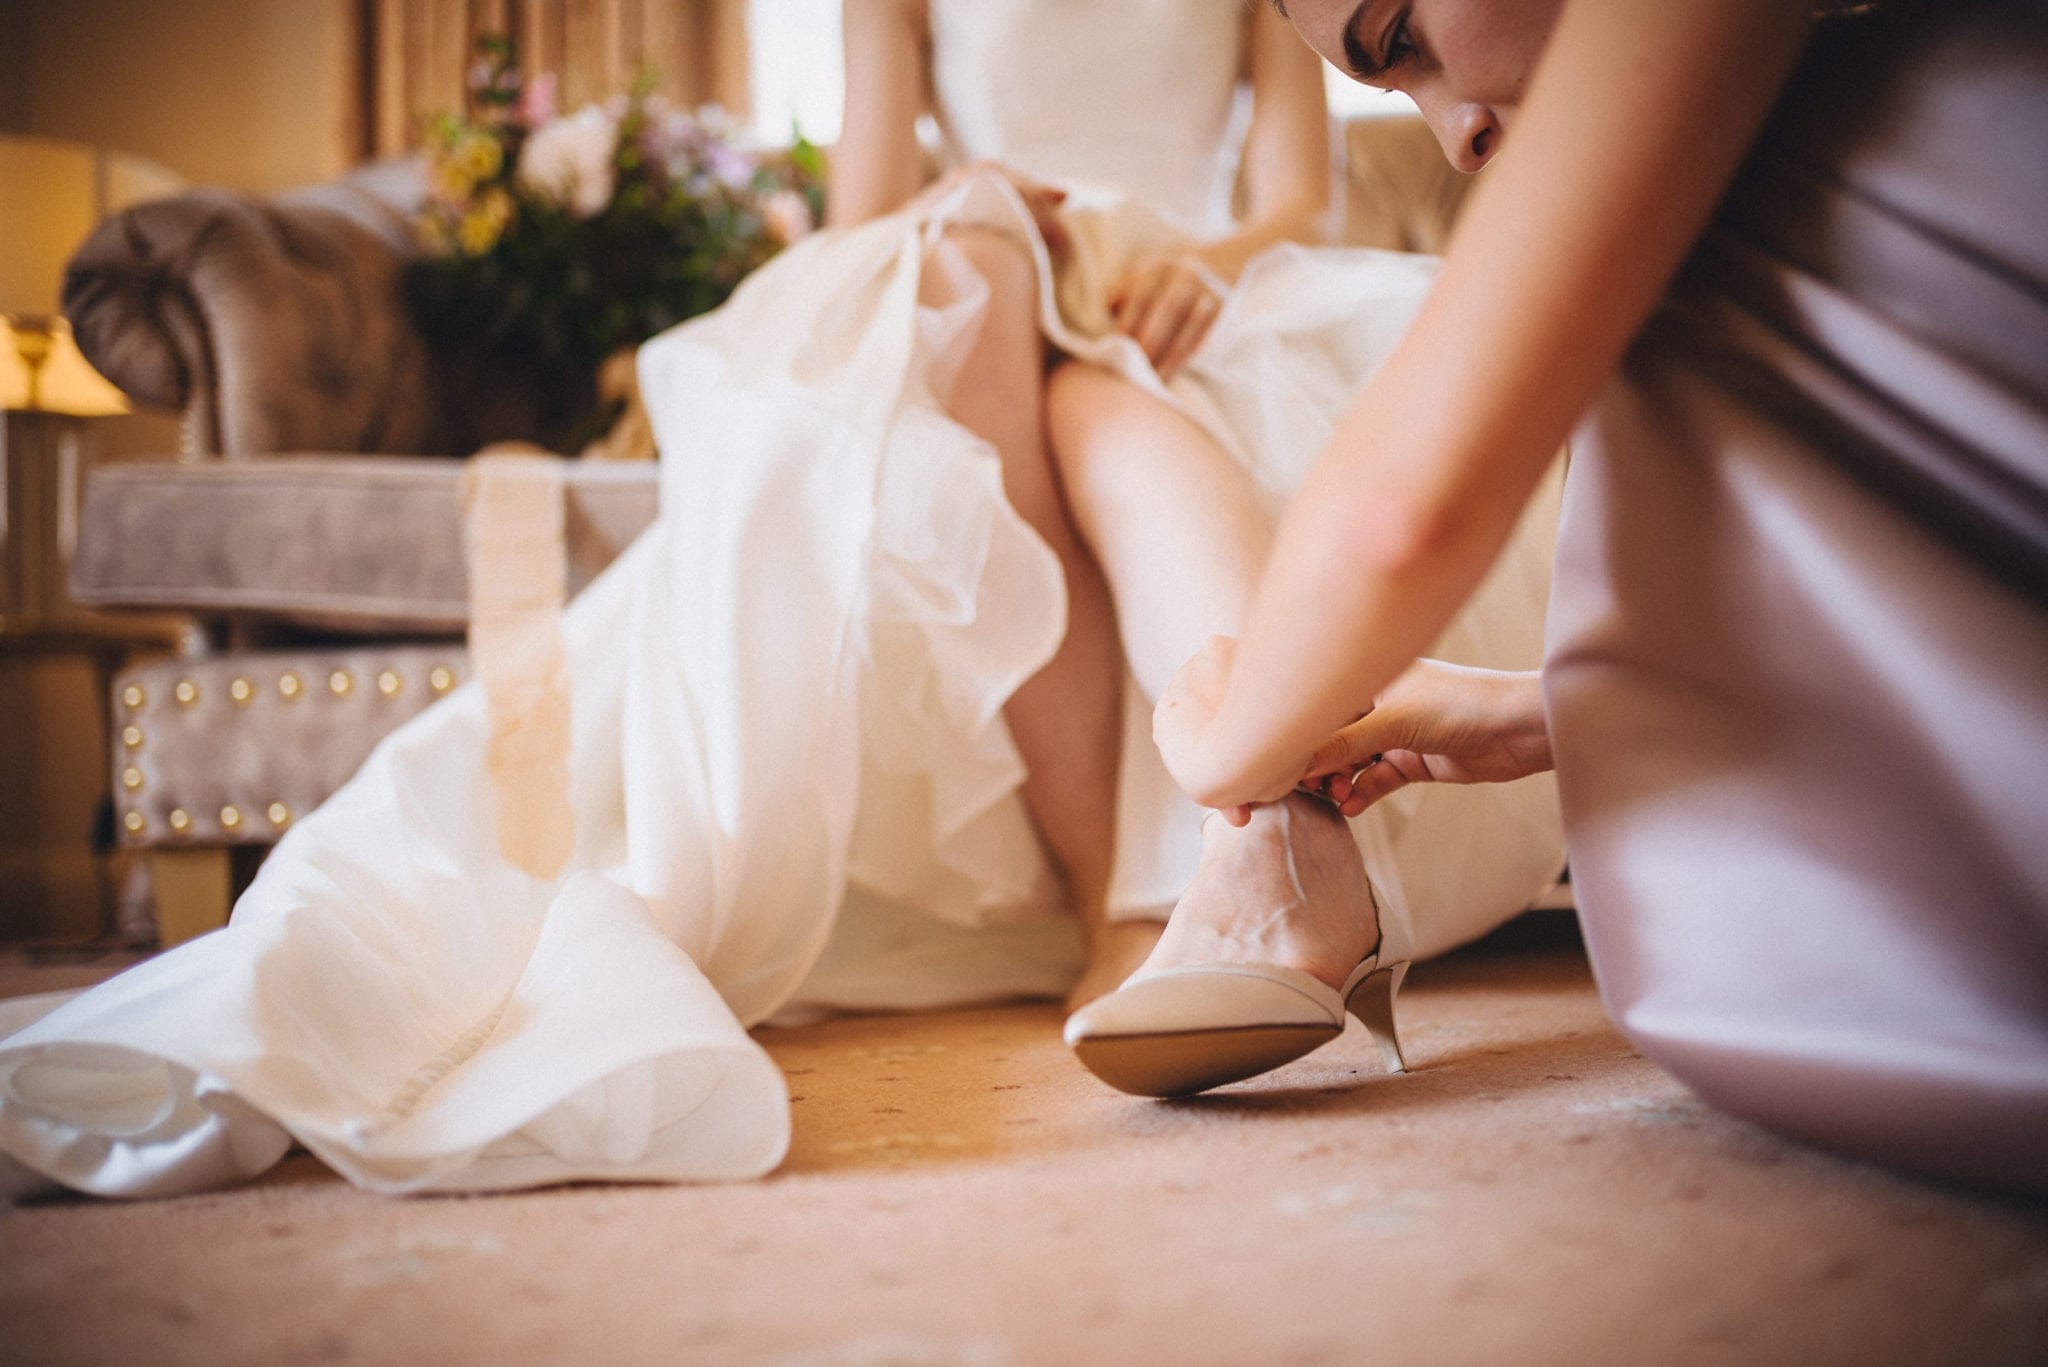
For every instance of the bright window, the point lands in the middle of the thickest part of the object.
(1348, 98)
(793, 67)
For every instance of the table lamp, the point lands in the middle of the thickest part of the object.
(53, 193)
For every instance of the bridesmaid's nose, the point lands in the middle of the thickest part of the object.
(1469, 133)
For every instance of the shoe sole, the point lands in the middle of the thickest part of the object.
(1184, 1062)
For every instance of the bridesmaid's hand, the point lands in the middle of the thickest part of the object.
(1182, 726)
(1168, 304)
(1440, 723)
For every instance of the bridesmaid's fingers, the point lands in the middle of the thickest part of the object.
(1372, 783)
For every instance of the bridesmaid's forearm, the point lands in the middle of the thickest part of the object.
(1563, 252)
(1345, 604)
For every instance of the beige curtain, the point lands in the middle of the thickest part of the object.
(418, 53)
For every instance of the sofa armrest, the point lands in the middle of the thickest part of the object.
(334, 543)
(277, 323)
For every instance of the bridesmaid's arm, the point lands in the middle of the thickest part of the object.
(877, 166)
(1637, 119)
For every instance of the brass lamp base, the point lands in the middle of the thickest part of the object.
(35, 336)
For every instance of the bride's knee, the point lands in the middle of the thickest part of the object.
(1080, 404)
(1000, 260)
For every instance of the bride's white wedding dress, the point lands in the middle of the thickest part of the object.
(788, 782)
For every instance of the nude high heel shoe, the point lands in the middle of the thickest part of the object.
(1180, 1031)
(1184, 1030)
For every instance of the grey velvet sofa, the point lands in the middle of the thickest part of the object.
(313, 520)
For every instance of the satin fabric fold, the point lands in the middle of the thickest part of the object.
(1798, 674)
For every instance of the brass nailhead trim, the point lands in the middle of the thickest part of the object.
(186, 692)
(278, 813)
(289, 685)
(180, 819)
(442, 678)
(134, 822)
(230, 817)
(241, 690)
(133, 696)
(388, 683)
(131, 736)
(131, 778)
(340, 683)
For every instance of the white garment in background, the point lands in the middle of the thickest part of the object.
(790, 780)
(1147, 102)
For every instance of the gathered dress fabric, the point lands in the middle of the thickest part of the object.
(1798, 676)
(785, 784)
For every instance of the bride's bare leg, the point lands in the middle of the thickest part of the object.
(1181, 535)
(1067, 720)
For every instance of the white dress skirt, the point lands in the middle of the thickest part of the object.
(781, 779)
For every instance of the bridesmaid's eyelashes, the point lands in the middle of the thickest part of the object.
(1400, 46)
(1396, 47)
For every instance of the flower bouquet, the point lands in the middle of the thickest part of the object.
(554, 240)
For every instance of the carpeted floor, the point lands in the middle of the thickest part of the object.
(960, 1192)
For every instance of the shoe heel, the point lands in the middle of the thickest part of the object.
(1372, 1001)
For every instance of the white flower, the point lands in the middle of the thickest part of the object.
(571, 159)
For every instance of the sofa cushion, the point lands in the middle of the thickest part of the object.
(231, 750)
(338, 543)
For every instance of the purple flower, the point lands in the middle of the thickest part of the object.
(734, 168)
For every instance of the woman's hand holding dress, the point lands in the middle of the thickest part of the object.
(1167, 303)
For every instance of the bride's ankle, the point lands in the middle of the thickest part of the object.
(1287, 888)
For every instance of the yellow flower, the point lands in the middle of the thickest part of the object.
(485, 222)
(481, 156)
(450, 178)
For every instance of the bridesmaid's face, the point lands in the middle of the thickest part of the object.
(1464, 62)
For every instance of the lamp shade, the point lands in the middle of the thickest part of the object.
(66, 384)
(52, 194)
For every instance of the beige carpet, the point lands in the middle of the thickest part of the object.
(959, 1192)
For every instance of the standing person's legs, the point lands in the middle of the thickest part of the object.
(1066, 719)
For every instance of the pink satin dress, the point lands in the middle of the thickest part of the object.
(1798, 660)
